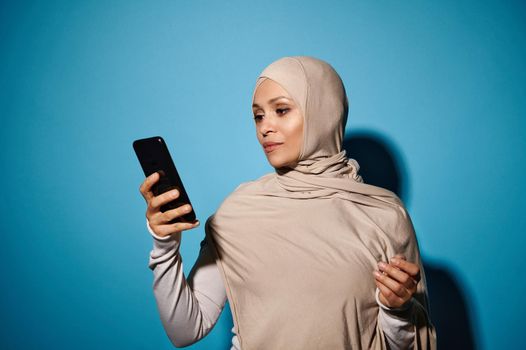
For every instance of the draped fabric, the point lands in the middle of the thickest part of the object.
(297, 247)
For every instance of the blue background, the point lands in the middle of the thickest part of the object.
(443, 83)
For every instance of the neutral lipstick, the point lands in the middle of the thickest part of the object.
(271, 146)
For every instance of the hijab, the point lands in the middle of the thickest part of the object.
(297, 247)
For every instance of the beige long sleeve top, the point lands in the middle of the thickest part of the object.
(190, 307)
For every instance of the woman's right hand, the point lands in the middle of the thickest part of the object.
(160, 222)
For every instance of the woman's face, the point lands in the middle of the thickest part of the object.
(279, 124)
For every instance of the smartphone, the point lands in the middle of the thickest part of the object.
(154, 157)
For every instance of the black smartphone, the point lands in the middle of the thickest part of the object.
(154, 157)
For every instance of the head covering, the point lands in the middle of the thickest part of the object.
(320, 96)
(297, 248)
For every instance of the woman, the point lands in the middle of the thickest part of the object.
(309, 257)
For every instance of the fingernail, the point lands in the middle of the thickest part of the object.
(381, 265)
(377, 274)
(395, 261)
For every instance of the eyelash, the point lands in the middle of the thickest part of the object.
(280, 111)
(284, 110)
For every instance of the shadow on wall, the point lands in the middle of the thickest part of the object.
(379, 166)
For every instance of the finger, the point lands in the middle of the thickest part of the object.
(388, 297)
(175, 213)
(412, 269)
(169, 229)
(398, 275)
(400, 256)
(166, 197)
(146, 186)
(392, 284)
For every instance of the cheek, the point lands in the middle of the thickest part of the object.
(296, 132)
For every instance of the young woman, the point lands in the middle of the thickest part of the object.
(309, 256)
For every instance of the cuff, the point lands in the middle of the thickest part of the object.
(403, 312)
(159, 238)
(163, 243)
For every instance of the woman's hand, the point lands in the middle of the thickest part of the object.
(159, 221)
(396, 281)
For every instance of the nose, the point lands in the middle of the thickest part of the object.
(267, 125)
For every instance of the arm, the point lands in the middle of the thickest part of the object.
(397, 283)
(188, 308)
(396, 324)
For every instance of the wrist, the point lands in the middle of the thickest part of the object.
(403, 311)
(156, 236)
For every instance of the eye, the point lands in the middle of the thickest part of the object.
(282, 111)
(258, 117)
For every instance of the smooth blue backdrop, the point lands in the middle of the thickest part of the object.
(444, 82)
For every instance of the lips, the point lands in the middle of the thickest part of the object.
(271, 146)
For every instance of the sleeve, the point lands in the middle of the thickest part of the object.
(417, 311)
(396, 323)
(188, 308)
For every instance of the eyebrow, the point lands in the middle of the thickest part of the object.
(272, 100)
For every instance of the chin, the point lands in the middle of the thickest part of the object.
(280, 163)
(275, 164)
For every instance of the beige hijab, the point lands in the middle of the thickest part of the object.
(296, 248)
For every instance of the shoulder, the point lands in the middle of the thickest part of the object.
(398, 225)
(389, 214)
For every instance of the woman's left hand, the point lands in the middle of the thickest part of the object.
(397, 281)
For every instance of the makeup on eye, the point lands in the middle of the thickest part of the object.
(279, 111)
(282, 111)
